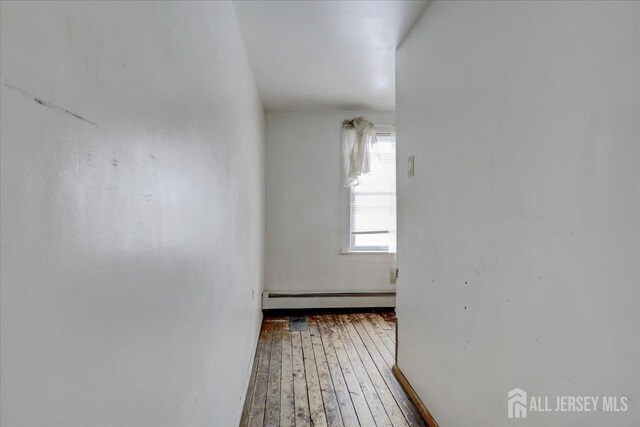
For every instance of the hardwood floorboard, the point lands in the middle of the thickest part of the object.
(389, 319)
(258, 403)
(316, 406)
(333, 371)
(272, 410)
(287, 402)
(384, 325)
(368, 390)
(301, 398)
(384, 337)
(331, 408)
(384, 351)
(345, 404)
(407, 407)
(392, 409)
(353, 386)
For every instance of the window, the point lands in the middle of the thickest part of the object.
(373, 200)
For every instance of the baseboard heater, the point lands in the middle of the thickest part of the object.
(292, 300)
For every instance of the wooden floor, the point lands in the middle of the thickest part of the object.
(337, 372)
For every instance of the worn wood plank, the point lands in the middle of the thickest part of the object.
(258, 403)
(392, 334)
(272, 410)
(391, 407)
(301, 400)
(382, 324)
(407, 408)
(246, 409)
(345, 404)
(368, 390)
(330, 375)
(316, 405)
(389, 318)
(329, 398)
(384, 336)
(287, 402)
(375, 338)
(382, 317)
(386, 327)
(357, 396)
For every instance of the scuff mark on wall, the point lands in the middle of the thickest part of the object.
(47, 103)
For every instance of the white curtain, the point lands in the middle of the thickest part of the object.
(357, 137)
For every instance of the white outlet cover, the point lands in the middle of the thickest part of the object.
(410, 168)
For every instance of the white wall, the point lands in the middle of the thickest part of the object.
(304, 212)
(132, 248)
(519, 235)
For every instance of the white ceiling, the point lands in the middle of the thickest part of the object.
(325, 54)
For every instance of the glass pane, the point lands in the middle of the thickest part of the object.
(373, 199)
(370, 242)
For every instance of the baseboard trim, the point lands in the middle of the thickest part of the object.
(306, 300)
(431, 422)
(299, 312)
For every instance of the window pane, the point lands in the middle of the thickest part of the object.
(373, 199)
(371, 241)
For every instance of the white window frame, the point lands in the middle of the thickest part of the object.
(346, 210)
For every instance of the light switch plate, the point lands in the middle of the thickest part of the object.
(410, 168)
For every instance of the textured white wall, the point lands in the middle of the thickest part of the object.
(132, 247)
(519, 234)
(304, 214)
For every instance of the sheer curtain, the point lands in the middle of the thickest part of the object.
(357, 137)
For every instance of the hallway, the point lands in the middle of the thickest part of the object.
(327, 370)
(449, 191)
